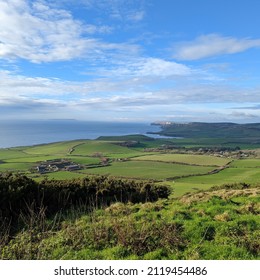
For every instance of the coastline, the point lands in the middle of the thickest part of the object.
(22, 133)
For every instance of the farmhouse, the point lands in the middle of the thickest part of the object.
(57, 165)
(41, 169)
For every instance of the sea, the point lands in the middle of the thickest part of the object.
(15, 133)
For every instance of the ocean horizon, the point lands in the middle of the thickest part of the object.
(15, 133)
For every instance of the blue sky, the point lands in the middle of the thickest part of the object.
(130, 60)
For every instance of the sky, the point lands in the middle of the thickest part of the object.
(130, 60)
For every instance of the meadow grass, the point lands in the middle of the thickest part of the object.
(186, 158)
(107, 149)
(148, 170)
(246, 163)
(229, 175)
(32, 159)
(12, 154)
(15, 166)
(189, 228)
(244, 170)
(84, 160)
(59, 148)
(91, 147)
(180, 188)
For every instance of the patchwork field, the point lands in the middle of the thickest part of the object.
(136, 157)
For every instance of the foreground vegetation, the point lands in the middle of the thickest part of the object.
(221, 223)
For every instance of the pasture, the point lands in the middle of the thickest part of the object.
(190, 159)
(183, 171)
(148, 170)
(227, 176)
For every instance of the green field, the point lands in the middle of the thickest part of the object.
(184, 170)
(227, 176)
(105, 148)
(59, 148)
(187, 159)
(246, 163)
(148, 170)
(12, 153)
(15, 166)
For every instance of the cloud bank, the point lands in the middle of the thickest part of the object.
(39, 33)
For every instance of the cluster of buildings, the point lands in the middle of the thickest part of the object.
(57, 165)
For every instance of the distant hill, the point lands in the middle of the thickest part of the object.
(211, 130)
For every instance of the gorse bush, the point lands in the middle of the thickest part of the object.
(27, 204)
(19, 194)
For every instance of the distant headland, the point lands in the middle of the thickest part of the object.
(210, 130)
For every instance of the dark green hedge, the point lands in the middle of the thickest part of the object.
(19, 193)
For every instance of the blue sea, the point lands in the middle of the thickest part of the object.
(33, 132)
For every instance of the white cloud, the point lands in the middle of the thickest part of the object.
(145, 67)
(212, 45)
(39, 33)
(160, 67)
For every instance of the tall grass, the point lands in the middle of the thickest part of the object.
(222, 223)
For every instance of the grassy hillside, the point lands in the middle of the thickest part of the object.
(221, 223)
